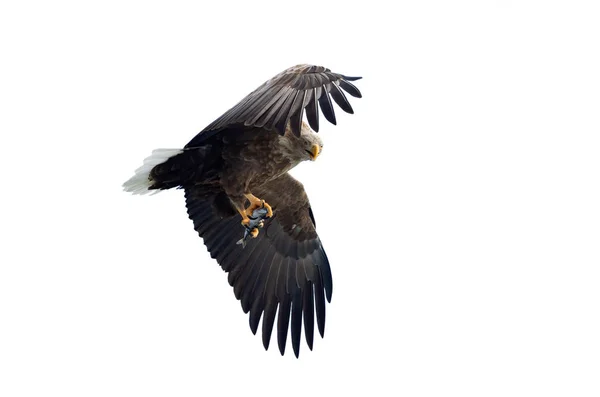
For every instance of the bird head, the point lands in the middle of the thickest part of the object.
(312, 145)
(307, 146)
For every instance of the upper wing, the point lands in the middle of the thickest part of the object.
(285, 96)
(285, 267)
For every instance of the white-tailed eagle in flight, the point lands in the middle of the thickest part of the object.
(237, 167)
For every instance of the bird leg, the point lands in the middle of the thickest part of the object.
(255, 203)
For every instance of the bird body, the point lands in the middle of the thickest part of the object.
(239, 164)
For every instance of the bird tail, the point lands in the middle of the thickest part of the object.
(169, 168)
(145, 178)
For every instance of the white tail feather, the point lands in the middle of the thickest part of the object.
(140, 182)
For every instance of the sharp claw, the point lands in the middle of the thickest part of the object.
(256, 203)
(268, 207)
(269, 210)
(254, 232)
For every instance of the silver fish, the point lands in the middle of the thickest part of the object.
(256, 222)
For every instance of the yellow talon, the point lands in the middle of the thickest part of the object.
(254, 232)
(255, 203)
(269, 209)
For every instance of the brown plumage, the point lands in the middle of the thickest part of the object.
(240, 162)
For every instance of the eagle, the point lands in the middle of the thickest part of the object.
(239, 164)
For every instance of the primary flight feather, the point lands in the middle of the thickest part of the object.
(239, 164)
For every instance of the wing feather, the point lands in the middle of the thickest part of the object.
(296, 112)
(285, 305)
(283, 114)
(296, 321)
(312, 109)
(326, 106)
(268, 321)
(339, 98)
(309, 313)
(270, 299)
(320, 305)
(283, 323)
(350, 89)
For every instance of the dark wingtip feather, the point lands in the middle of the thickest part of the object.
(339, 98)
(325, 272)
(296, 322)
(350, 89)
(265, 340)
(245, 305)
(320, 305)
(283, 323)
(283, 115)
(296, 112)
(309, 313)
(254, 319)
(312, 110)
(350, 78)
(268, 321)
(327, 108)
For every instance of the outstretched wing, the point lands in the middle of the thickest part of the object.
(283, 271)
(285, 97)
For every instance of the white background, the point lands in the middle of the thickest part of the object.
(459, 206)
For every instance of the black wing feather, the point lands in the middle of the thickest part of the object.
(283, 322)
(339, 98)
(309, 313)
(296, 112)
(280, 121)
(326, 106)
(348, 78)
(296, 321)
(268, 321)
(350, 89)
(320, 305)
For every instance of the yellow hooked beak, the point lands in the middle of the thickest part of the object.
(314, 152)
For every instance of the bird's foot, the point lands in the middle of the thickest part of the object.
(256, 203)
